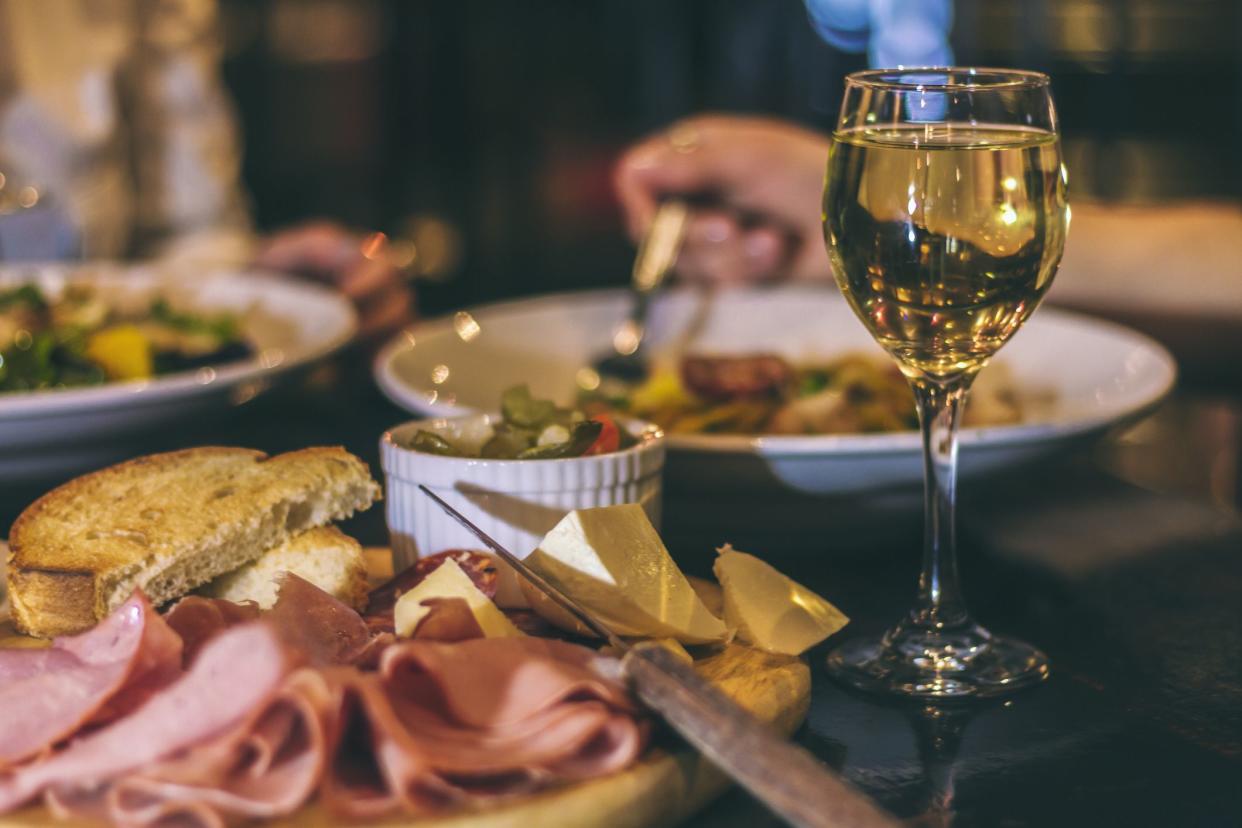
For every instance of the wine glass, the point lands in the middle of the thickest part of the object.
(945, 216)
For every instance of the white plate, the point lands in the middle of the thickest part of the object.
(1098, 374)
(290, 323)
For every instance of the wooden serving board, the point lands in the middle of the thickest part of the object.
(662, 789)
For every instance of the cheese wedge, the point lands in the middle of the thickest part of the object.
(770, 611)
(612, 561)
(449, 580)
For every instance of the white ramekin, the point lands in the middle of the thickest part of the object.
(514, 501)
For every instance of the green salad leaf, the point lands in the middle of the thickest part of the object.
(222, 327)
(811, 382)
(23, 295)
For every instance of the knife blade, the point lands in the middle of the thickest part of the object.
(782, 775)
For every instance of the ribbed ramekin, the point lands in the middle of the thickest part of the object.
(514, 501)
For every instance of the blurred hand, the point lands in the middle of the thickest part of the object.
(357, 265)
(761, 180)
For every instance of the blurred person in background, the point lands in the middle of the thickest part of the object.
(763, 177)
(117, 140)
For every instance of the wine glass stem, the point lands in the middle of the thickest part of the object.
(939, 404)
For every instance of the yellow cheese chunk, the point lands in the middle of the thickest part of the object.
(449, 580)
(612, 562)
(769, 610)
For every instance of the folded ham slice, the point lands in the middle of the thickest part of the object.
(322, 629)
(267, 767)
(198, 619)
(319, 628)
(479, 567)
(236, 672)
(48, 695)
(304, 701)
(440, 726)
(443, 725)
(447, 619)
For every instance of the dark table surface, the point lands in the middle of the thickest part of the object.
(1124, 562)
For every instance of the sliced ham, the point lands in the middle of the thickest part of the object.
(235, 673)
(558, 716)
(536, 674)
(272, 712)
(443, 725)
(448, 619)
(479, 566)
(369, 745)
(198, 619)
(324, 630)
(267, 767)
(48, 695)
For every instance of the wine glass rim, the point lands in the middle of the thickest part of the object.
(987, 78)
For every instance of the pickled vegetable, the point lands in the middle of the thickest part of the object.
(534, 429)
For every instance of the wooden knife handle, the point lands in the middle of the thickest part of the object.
(788, 779)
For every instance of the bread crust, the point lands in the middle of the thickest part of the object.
(70, 594)
(168, 523)
(26, 524)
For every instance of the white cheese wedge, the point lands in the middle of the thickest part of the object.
(769, 610)
(449, 580)
(612, 561)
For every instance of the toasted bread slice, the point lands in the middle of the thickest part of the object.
(325, 556)
(168, 523)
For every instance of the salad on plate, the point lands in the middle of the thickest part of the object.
(81, 339)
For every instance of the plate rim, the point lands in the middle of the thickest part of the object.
(788, 445)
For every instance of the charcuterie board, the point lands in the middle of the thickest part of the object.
(666, 786)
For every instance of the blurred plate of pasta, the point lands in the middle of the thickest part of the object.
(780, 387)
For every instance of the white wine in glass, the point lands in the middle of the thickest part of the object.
(945, 217)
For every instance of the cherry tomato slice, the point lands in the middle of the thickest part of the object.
(609, 439)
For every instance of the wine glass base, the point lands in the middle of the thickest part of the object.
(968, 663)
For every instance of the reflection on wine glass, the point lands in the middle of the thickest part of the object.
(945, 217)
